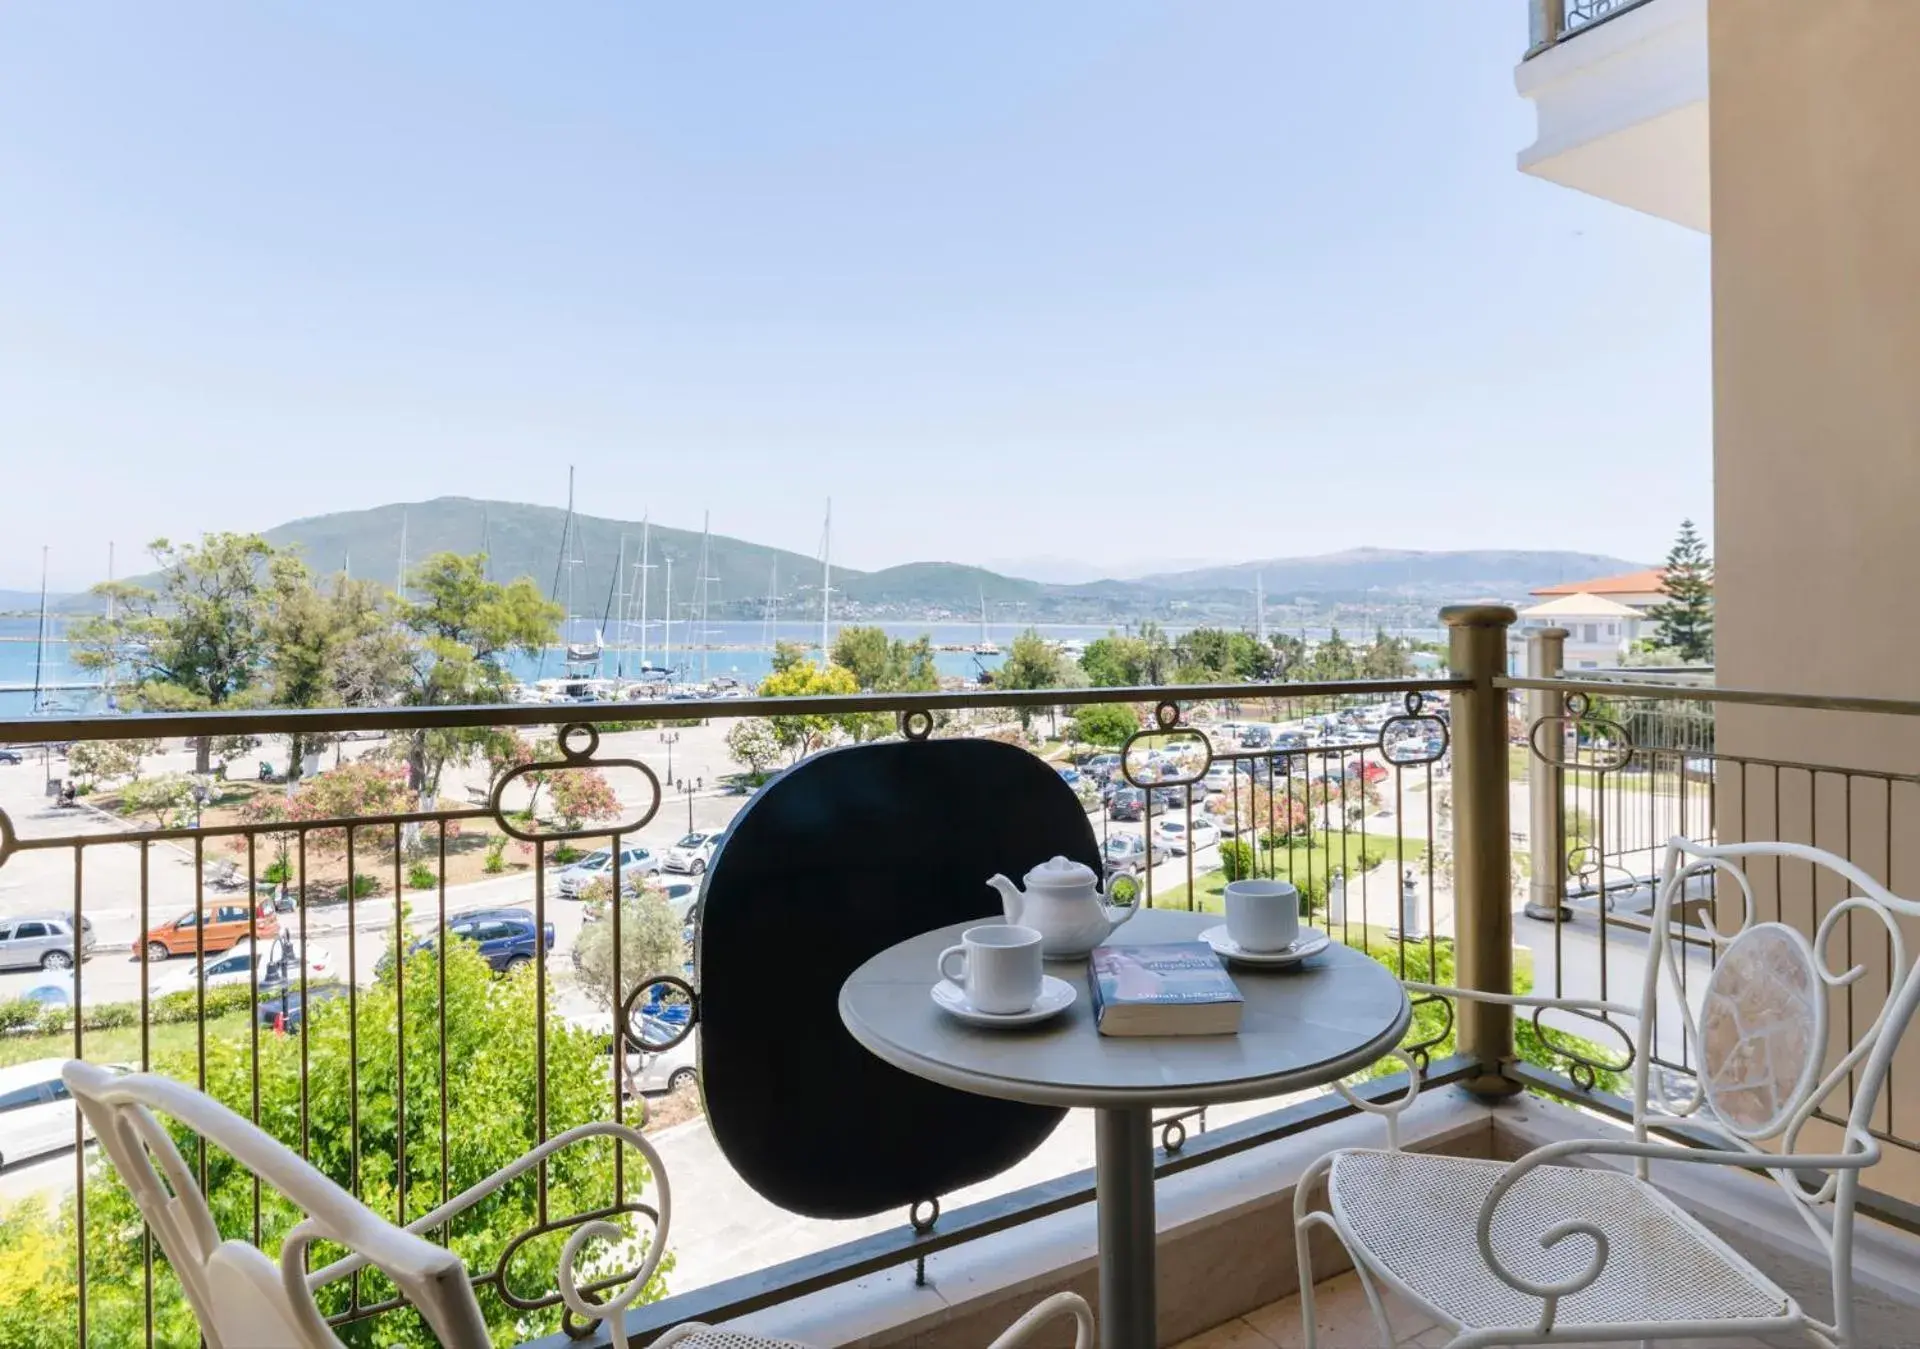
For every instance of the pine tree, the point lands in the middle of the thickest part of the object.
(1686, 618)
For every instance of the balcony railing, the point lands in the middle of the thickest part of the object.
(1395, 823)
(1553, 21)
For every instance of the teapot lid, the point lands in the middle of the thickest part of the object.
(1060, 871)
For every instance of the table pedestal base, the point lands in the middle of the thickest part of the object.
(1123, 1162)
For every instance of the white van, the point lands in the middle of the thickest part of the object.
(36, 1113)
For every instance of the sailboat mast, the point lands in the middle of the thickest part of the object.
(621, 634)
(826, 583)
(110, 605)
(667, 624)
(706, 631)
(40, 639)
(400, 576)
(773, 607)
(1260, 608)
(646, 565)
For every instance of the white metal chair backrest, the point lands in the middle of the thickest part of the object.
(242, 1299)
(1761, 1041)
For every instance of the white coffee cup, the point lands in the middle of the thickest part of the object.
(998, 965)
(1263, 915)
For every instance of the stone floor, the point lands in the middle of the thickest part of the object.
(1340, 1308)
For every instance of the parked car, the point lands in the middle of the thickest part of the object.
(1256, 737)
(680, 897)
(1181, 838)
(276, 964)
(286, 1009)
(506, 937)
(1124, 853)
(634, 861)
(1102, 765)
(693, 853)
(11, 756)
(36, 1114)
(1129, 803)
(656, 1070)
(226, 924)
(43, 941)
(1219, 778)
(1068, 774)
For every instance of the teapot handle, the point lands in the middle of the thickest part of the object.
(1124, 912)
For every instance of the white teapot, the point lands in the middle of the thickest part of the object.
(1062, 902)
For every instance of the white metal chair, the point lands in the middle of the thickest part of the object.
(1536, 1253)
(243, 1300)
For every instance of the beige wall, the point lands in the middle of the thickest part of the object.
(1815, 150)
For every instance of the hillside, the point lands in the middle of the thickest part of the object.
(1506, 573)
(524, 540)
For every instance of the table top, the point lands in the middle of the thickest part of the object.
(1300, 1027)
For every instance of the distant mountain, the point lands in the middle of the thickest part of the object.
(1506, 573)
(524, 540)
(28, 601)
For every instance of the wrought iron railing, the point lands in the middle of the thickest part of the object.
(1623, 765)
(1555, 20)
(373, 1085)
(1374, 800)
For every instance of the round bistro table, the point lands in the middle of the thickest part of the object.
(1300, 1027)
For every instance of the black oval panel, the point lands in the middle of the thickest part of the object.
(832, 862)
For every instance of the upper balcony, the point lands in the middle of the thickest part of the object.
(1620, 91)
(407, 1080)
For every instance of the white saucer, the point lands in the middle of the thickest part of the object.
(1056, 995)
(1311, 941)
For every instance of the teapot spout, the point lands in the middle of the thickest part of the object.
(1011, 897)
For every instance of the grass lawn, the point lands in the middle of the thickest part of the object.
(122, 1043)
(1296, 862)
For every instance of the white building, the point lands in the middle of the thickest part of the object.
(1599, 630)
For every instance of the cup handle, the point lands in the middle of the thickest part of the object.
(949, 954)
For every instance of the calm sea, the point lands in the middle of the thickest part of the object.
(740, 650)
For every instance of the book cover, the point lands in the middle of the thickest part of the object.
(1169, 988)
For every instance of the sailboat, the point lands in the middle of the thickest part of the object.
(985, 646)
(572, 559)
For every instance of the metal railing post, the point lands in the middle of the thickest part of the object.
(1482, 876)
(1546, 23)
(1546, 787)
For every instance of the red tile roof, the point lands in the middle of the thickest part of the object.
(1647, 582)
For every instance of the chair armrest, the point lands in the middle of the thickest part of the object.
(1390, 1111)
(608, 1311)
(1067, 1304)
(1521, 999)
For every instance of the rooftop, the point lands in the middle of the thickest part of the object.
(1585, 604)
(1646, 581)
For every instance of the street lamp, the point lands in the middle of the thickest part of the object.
(669, 739)
(688, 790)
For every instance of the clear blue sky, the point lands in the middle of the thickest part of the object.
(1100, 279)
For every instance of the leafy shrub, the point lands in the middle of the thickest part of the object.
(18, 1015)
(278, 872)
(420, 876)
(362, 886)
(1236, 859)
(496, 855)
(564, 853)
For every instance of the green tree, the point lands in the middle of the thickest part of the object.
(754, 745)
(1289, 658)
(1104, 723)
(1386, 658)
(327, 645)
(801, 734)
(1032, 663)
(1333, 658)
(196, 642)
(1685, 617)
(862, 652)
(491, 1111)
(1127, 660)
(167, 800)
(95, 761)
(787, 654)
(463, 626)
(652, 942)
